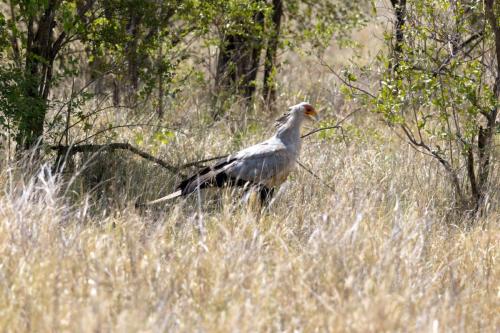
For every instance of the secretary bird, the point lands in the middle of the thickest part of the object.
(263, 166)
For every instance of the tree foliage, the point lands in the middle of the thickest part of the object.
(138, 46)
(441, 88)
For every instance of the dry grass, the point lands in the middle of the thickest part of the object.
(376, 255)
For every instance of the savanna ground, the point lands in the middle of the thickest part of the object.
(378, 249)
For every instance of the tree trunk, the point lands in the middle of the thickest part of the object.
(238, 63)
(132, 54)
(40, 54)
(41, 51)
(400, 12)
(251, 66)
(270, 66)
(485, 137)
(160, 82)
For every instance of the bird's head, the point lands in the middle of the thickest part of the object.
(310, 112)
(298, 113)
(306, 110)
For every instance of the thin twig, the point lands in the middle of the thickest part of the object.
(337, 125)
(319, 130)
(331, 188)
(73, 94)
(344, 81)
(125, 126)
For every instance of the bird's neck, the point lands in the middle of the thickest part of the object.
(289, 132)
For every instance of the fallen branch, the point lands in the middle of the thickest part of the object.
(91, 148)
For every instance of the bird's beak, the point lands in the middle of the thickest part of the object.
(313, 115)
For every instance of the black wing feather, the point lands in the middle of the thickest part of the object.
(208, 177)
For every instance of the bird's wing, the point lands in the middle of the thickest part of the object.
(212, 175)
(262, 163)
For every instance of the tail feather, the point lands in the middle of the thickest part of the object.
(165, 198)
(210, 176)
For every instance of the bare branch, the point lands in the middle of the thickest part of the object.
(344, 81)
(337, 125)
(315, 176)
(319, 130)
(68, 150)
(459, 49)
(434, 153)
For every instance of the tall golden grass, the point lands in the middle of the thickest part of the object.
(380, 253)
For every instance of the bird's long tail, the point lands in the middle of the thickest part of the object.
(165, 198)
(209, 176)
